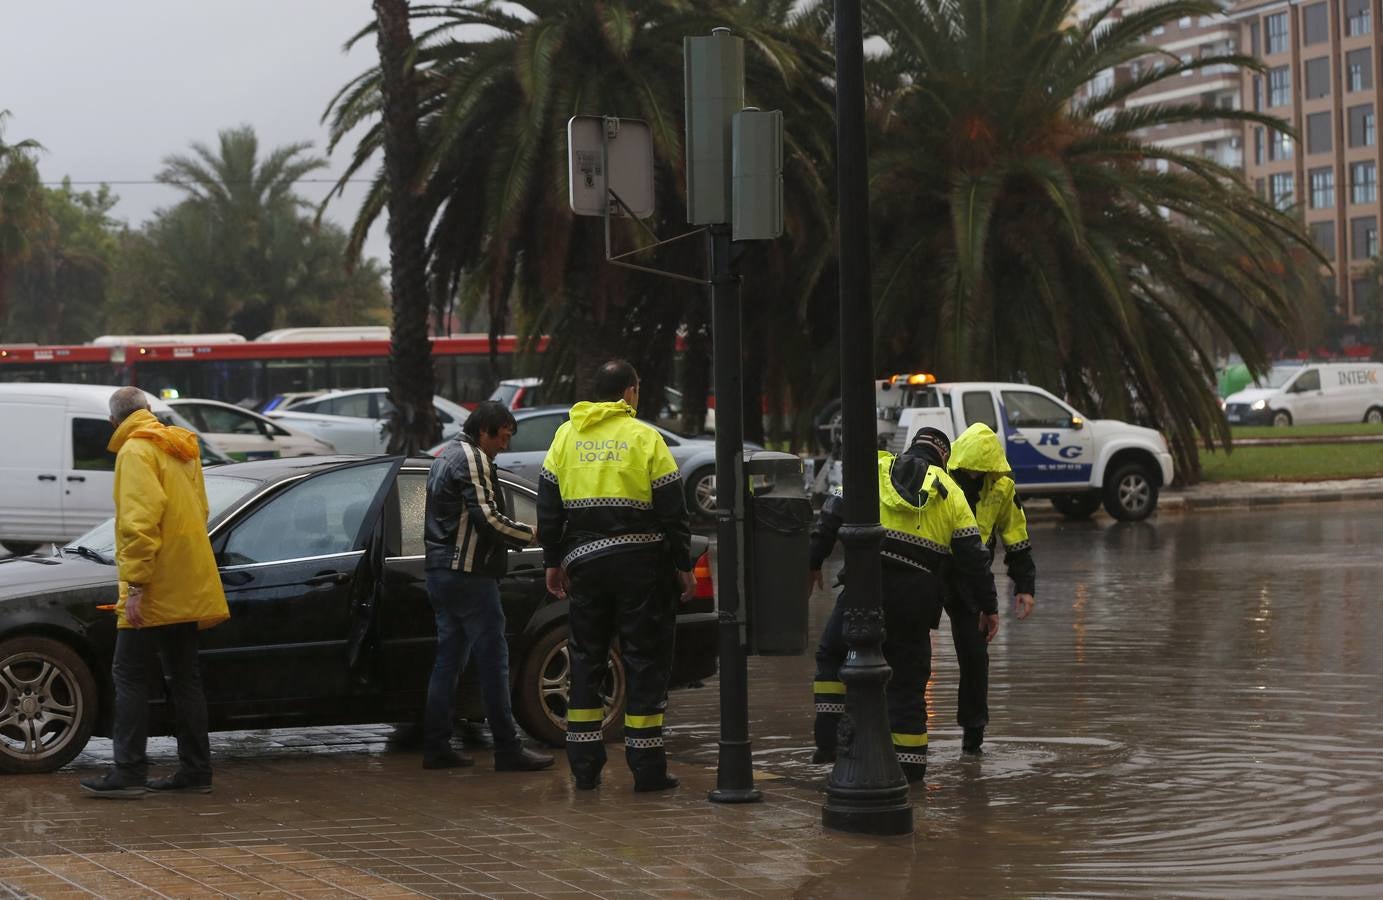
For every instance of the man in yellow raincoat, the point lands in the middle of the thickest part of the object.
(981, 470)
(169, 589)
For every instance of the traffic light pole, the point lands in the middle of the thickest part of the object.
(866, 792)
(734, 769)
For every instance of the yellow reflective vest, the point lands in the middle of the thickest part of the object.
(998, 511)
(608, 485)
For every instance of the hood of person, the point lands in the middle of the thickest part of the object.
(586, 415)
(907, 473)
(176, 442)
(978, 449)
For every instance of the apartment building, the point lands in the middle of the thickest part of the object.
(1322, 59)
(1322, 78)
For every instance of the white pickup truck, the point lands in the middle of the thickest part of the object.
(1054, 451)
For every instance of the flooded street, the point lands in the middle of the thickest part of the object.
(1194, 709)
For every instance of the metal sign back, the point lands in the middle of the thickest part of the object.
(607, 154)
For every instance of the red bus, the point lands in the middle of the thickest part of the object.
(229, 368)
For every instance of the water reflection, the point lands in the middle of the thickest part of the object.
(1193, 710)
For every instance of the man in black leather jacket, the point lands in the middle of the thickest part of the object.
(467, 534)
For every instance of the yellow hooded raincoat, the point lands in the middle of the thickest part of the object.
(161, 539)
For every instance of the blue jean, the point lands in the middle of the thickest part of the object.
(469, 617)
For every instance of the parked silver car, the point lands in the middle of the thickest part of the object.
(696, 457)
(353, 421)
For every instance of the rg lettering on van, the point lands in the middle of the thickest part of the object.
(601, 451)
(1359, 376)
(1049, 438)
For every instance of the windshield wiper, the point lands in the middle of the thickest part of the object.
(88, 553)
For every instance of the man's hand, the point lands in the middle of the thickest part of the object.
(532, 539)
(133, 614)
(688, 582)
(814, 580)
(989, 625)
(1024, 604)
(557, 582)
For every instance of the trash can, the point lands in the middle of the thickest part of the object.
(777, 524)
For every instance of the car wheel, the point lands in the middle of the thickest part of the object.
(47, 704)
(1077, 506)
(540, 701)
(1282, 418)
(19, 548)
(1130, 494)
(1374, 416)
(701, 493)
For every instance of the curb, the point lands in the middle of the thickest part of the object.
(1182, 503)
(1194, 503)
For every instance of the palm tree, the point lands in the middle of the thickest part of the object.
(413, 424)
(1026, 230)
(497, 83)
(239, 209)
(21, 206)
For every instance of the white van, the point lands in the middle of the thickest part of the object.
(1311, 394)
(57, 478)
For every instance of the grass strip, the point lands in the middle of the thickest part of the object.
(1318, 462)
(1305, 431)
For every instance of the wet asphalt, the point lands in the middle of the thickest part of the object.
(1193, 710)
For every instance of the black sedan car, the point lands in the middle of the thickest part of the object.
(322, 563)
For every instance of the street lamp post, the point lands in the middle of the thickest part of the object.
(866, 792)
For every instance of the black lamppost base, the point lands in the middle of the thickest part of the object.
(735, 775)
(871, 819)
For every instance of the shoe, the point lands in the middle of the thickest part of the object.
(914, 772)
(664, 783)
(970, 743)
(521, 760)
(180, 783)
(448, 760)
(587, 782)
(823, 755)
(110, 786)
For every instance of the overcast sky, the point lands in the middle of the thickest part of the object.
(111, 88)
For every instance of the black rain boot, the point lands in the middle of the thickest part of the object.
(972, 740)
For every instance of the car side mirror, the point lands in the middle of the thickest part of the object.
(265, 429)
(1077, 423)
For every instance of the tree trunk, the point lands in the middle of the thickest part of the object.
(412, 424)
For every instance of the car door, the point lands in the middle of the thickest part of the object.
(30, 485)
(1308, 403)
(88, 477)
(407, 627)
(528, 447)
(239, 434)
(290, 567)
(1045, 442)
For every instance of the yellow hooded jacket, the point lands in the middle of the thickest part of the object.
(161, 539)
(998, 510)
(609, 485)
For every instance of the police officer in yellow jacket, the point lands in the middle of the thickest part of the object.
(927, 528)
(616, 539)
(981, 469)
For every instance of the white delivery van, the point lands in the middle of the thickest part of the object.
(57, 478)
(1311, 394)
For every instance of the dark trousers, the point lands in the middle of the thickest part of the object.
(912, 606)
(632, 596)
(176, 646)
(972, 655)
(470, 619)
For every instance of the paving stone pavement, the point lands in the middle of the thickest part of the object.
(283, 823)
